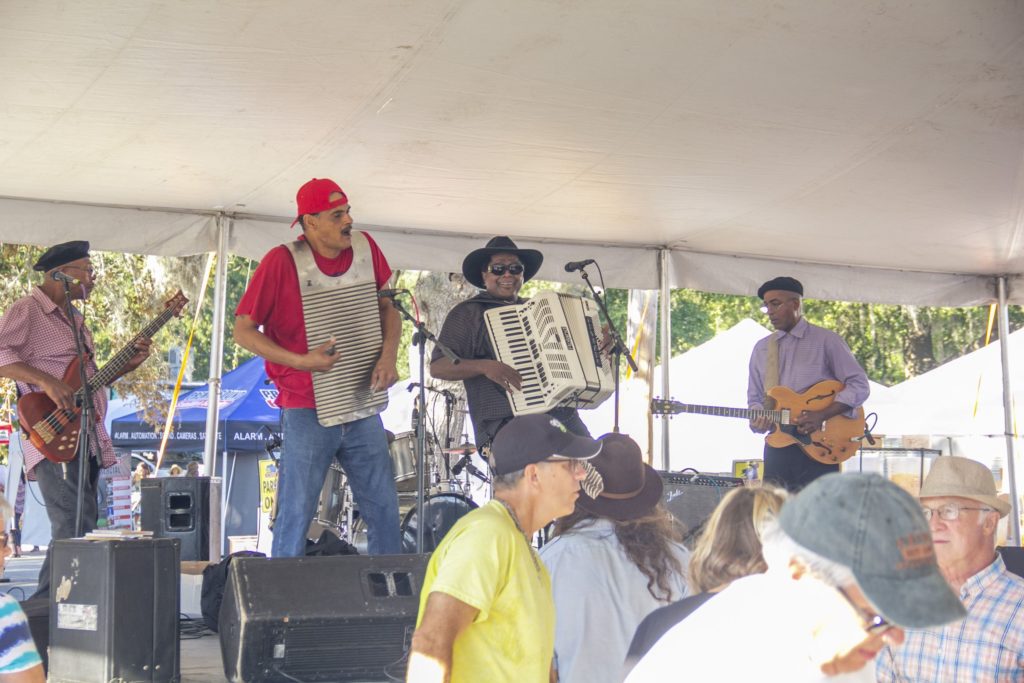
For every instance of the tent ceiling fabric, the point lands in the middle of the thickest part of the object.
(885, 137)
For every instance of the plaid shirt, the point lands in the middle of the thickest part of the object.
(987, 646)
(35, 331)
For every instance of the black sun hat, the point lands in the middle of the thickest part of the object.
(632, 488)
(473, 265)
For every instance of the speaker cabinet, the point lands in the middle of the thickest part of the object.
(185, 508)
(114, 611)
(691, 498)
(340, 618)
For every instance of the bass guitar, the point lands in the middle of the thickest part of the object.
(55, 431)
(837, 441)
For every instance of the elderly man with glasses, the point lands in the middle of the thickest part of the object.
(500, 269)
(486, 609)
(960, 502)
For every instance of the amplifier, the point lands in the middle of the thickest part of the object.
(337, 618)
(185, 508)
(114, 611)
(692, 497)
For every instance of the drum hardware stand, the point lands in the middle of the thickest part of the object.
(619, 348)
(420, 338)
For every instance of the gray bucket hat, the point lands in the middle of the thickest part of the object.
(877, 530)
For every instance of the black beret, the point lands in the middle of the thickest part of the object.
(62, 254)
(785, 284)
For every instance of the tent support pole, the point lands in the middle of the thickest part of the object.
(1011, 442)
(220, 287)
(665, 305)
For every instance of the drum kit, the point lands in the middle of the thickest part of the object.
(448, 497)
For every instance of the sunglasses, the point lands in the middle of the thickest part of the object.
(500, 268)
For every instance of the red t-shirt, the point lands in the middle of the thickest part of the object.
(272, 300)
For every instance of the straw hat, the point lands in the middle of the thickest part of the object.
(955, 477)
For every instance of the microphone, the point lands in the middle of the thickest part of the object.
(63, 277)
(578, 265)
(390, 293)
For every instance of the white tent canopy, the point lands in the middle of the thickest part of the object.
(875, 150)
(957, 399)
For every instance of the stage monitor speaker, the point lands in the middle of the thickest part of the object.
(691, 498)
(114, 611)
(185, 508)
(340, 618)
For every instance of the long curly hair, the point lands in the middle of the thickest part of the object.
(730, 546)
(648, 542)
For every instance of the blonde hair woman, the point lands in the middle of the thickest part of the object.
(729, 548)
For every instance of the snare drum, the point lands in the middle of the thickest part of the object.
(403, 460)
(441, 513)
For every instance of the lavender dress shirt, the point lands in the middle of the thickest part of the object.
(808, 354)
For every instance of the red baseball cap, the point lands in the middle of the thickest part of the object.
(315, 196)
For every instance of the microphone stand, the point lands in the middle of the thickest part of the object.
(87, 421)
(618, 346)
(420, 338)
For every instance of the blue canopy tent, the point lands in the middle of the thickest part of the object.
(248, 416)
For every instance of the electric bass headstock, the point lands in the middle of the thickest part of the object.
(176, 303)
(665, 406)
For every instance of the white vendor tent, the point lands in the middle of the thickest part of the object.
(961, 398)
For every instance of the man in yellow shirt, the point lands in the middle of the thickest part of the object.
(486, 611)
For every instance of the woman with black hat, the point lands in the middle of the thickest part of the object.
(615, 560)
(500, 269)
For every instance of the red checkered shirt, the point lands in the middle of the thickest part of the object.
(35, 331)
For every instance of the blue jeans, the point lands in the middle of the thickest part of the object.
(361, 448)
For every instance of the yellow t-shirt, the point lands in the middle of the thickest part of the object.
(485, 562)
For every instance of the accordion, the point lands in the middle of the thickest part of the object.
(552, 341)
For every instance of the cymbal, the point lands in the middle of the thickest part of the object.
(459, 450)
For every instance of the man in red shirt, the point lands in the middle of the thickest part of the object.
(320, 287)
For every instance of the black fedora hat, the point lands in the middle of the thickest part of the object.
(473, 265)
(632, 488)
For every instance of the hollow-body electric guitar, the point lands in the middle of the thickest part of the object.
(837, 441)
(55, 431)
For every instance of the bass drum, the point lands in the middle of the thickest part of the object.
(441, 511)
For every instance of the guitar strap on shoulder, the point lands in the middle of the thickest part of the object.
(771, 373)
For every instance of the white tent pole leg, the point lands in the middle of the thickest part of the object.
(1011, 443)
(220, 288)
(665, 304)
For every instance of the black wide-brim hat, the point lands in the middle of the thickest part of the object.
(473, 265)
(632, 488)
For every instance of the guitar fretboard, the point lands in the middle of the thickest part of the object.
(675, 407)
(108, 373)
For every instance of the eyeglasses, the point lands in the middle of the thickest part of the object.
(775, 304)
(571, 464)
(872, 622)
(500, 268)
(948, 512)
(91, 272)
